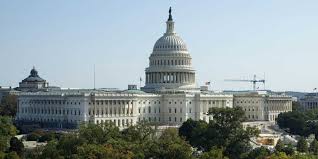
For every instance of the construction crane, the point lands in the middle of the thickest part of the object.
(253, 81)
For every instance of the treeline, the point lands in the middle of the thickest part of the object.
(301, 123)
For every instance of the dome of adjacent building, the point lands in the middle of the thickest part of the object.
(170, 42)
(33, 77)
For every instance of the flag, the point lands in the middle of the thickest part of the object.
(207, 83)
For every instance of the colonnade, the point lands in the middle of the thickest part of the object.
(171, 77)
(112, 108)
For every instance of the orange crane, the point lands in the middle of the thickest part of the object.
(253, 81)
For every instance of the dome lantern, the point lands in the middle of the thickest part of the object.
(170, 24)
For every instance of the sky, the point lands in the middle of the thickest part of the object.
(227, 40)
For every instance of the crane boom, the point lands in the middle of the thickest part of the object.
(253, 81)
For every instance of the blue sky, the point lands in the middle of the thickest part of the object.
(227, 39)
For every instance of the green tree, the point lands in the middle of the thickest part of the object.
(93, 151)
(258, 153)
(289, 149)
(50, 151)
(302, 145)
(279, 146)
(68, 144)
(8, 105)
(95, 134)
(12, 155)
(172, 146)
(226, 130)
(194, 131)
(16, 145)
(2, 155)
(279, 155)
(34, 153)
(314, 147)
(215, 153)
(7, 130)
(303, 156)
(140, 139)
(139, 133)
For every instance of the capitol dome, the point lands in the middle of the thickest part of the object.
(170, 64)
(170, 42)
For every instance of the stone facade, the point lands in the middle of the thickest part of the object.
(263, 107)
(65, 109)
(309, 102)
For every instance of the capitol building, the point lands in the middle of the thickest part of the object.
(169, 96)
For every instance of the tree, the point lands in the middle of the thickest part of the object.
(140, 139)
(302, 145)
(314, 147)
(95, 134)
(226, 130)
(51, 151)
(68, 144)
(258, 153)
(279, 146)
(139, 133)
(172, 146)
(12, 155)
(193, 131)
(16, 145)
(215, 153)
(7, 130)
(289, 149)
(8, 105)
(303, 156)
(279, 155)
(294, 121)
(93, 151)
(299, 123)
